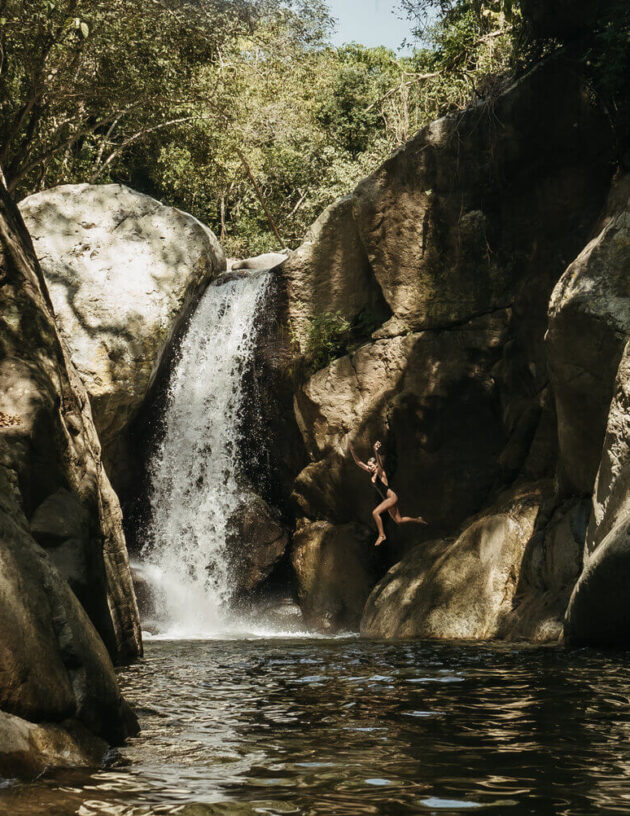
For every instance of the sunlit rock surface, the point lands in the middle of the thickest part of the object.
(331, 272)
(335, 569)
(124, 272)
(54, 496)
(464, 234)
(462, 588)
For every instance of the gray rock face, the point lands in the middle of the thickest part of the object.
(123, 272)
(599, 613)
(463, 233)
(331, 272)
(53, 663)
(335, 571)
(462, 588)
(551, 565)
(589, 321)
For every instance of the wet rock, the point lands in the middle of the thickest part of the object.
(28, 749)
(335, 570)
(257, 541)
(124, 273)
(145, 594)
(460, 588)
(272, 448)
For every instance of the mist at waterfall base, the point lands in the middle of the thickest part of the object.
(195, 472)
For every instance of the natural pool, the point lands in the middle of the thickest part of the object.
(311, 726)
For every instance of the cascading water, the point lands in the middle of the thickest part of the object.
(194, 472)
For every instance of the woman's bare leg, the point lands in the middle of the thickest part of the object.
(395, 514)
(376, 513)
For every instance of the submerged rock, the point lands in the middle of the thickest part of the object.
(335, 570)
(124, 272)
(461, 588)
(53, 490)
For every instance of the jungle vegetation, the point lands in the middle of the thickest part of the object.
(238, 111)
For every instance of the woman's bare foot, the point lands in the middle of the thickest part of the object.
(379, 540)
(420, 520)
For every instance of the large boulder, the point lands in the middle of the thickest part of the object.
(335, 567)
(452, 230)
(331, 273)
(457, 222)
(589, 322)
(551, 565)
(54, 665)
(460, 588)
(599, 611)
(432, 399)
(124, 272)
(257, 541)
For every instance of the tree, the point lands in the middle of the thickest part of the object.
(85, 79)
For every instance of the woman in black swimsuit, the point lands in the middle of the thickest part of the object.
(374, 466)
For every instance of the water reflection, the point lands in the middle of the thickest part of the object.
(352, 727)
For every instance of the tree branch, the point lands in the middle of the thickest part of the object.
(260, 196)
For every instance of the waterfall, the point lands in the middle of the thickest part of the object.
(194, 471)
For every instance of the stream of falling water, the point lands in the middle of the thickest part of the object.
(195, 469)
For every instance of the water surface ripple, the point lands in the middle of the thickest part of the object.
(359, 727)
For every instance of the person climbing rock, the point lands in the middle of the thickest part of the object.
(376, 469)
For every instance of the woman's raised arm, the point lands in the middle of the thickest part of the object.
(377, 454)
(357, 461)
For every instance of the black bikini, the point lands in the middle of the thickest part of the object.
(381, 487)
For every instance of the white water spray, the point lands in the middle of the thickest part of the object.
(194, 473)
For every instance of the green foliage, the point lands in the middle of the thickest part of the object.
(608, 57)
(211, 104)
(330, 336)
(327, 339)
(84, 80)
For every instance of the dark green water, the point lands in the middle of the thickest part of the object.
(355, 727)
